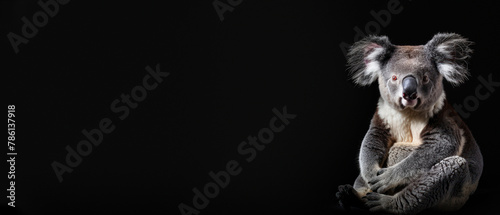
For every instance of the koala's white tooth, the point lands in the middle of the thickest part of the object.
(407, 103)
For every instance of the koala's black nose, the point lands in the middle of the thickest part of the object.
(409, 88)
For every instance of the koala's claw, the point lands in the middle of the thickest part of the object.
(377, 202)
(381, 171)
(380, 188)
(344, 195)
(383, 182)
(348, 197)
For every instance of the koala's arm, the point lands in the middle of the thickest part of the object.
(439, 141)
(374, 148)
(437, 144)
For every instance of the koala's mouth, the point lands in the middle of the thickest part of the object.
(414, 103)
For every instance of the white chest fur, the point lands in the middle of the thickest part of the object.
(405, 126)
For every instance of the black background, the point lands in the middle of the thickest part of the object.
(225, 79)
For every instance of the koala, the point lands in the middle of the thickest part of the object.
(417, 154)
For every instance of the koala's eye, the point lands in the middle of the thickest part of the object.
(425, 79)
(394, 77)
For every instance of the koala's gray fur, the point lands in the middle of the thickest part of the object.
(418, 153)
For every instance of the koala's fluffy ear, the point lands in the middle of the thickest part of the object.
(366, 57)
(450, 52)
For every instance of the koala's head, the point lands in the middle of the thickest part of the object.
(410, 76)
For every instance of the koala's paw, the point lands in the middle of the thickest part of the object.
(385, 180)
(377, 202)
(347, 197)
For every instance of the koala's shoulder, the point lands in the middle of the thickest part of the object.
(378, 122)
(447, 117)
